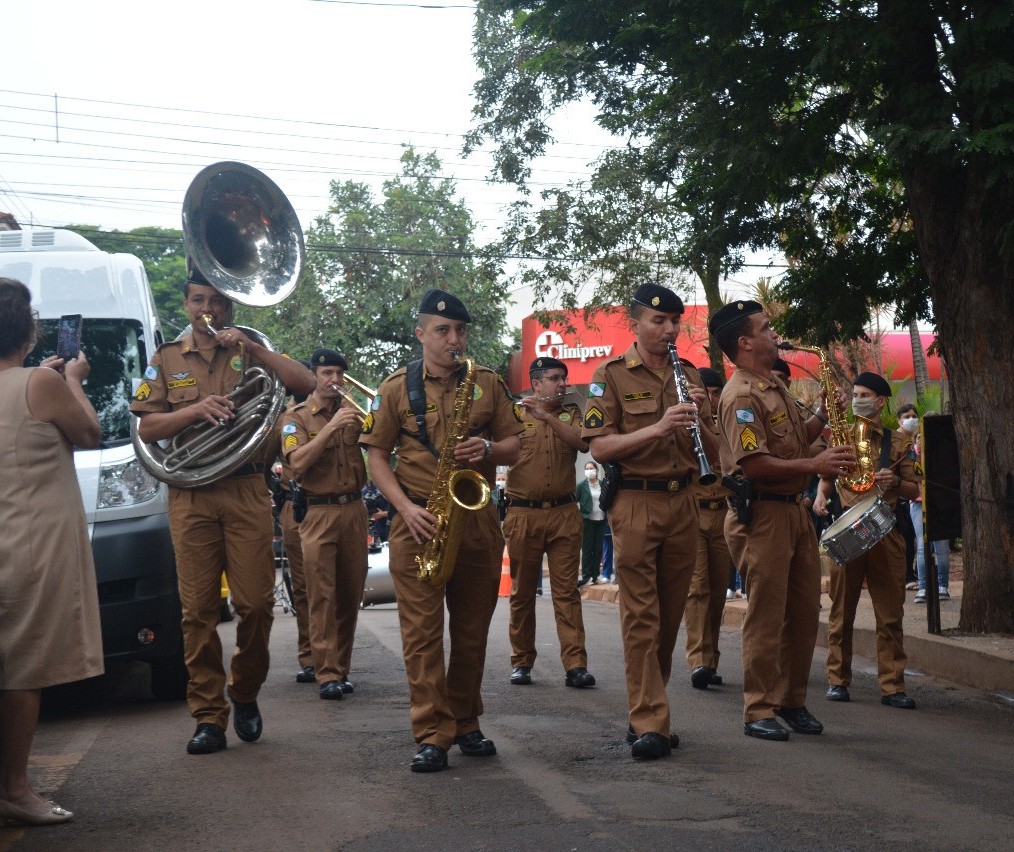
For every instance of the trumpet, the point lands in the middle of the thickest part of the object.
(366, 391)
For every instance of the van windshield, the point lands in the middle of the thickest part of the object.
(117, 355)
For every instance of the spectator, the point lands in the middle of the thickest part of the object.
(588, 493)
(904, 514)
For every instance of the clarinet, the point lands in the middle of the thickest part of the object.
(707, 476)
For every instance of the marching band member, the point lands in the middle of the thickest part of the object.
(634, 419)
(766, 448)
(226, 523)
(320, 441)
(543, 519)
(882, 567)
(412, 414)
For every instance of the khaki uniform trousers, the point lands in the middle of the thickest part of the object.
(224, 525)
(706, 601)
(556, 532)
(883, 568)
(294, 553)
(654, 541)
(446, 701)
(334, 559)
(777, 555)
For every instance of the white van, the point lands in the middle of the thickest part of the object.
(125, 506)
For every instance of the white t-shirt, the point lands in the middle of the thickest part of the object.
(596, 513)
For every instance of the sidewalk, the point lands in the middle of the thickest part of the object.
(980, 662)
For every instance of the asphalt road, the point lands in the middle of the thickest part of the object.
(334, 775)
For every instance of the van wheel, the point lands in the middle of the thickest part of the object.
(169, 678)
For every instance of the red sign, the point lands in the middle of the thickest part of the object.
(607, 333)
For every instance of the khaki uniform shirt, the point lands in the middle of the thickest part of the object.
(340, 468)
(625, 396)
(757, 414)
(903, 461)
(179, 375)
(546, 469)
(391, 423)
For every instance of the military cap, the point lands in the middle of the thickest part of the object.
(658, 299)
(546, 363)
(194, 274)
(443, 304)
(781, 367)
(875, 383)
(328, 358)
(710, 378)
(730, 313)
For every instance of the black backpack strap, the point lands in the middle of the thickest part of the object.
(417, 402)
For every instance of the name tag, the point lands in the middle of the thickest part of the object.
(430, 408)
(181, 383)
(777, 418)
(631, 397)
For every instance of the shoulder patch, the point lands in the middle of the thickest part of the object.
(595, 389)
(368, 424)
(290, 442)
(917, 468)
(747, 439)
(375, 405)
(143, 392)
(151, 372)
(517, 412)
(593, 417)
(289, 429)
(744, 415)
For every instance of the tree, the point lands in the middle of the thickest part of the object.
(871, 141)
(164, 257)
(370, 261)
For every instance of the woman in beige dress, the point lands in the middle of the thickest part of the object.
(49, 612)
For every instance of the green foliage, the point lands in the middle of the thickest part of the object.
(370, 260)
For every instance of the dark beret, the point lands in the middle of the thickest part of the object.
(781, 367)
(728, 314)
(328, 358)
(443, 304)
(875, 383)
(658, 299)
(548, 364)
(194, 274)
(711, 378)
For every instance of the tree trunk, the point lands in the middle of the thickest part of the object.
(919, 368)
(958, 218)
(710, 275)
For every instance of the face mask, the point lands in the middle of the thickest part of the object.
(590, 474)
(910, 424)
(864, 407)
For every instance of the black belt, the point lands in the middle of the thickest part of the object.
(539, 504)
(249, 469)
(335, 500)
(712, 504)
(670, 485)
(780, 498)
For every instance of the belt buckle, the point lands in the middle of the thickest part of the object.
(674, 486)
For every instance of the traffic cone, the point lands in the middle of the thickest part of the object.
(505, 575)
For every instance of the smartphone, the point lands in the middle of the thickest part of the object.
(68, 342)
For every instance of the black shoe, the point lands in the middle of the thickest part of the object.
(225, 612)
(306, 675)
(837, 693)
(246, 721)
(899, 700)
(348, 687)
(538, 592)
(522, 676)
(475, 745)
(584, 581)
(800, 720)
(651, 745)
(701, 677)
(429, 758)
(332, 691)
(674, 740)
(207, 739)
(579, 678)
(715, 679)
(765, 729)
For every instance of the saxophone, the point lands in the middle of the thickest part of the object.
(844, 433)
(455, 491)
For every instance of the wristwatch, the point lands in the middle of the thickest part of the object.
(489, 447)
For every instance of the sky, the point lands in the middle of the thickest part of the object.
(109, 109)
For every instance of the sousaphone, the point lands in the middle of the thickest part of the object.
(243, 236)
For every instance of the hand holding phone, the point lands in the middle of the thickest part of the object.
(69, 340)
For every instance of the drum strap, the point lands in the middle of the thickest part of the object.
(885, 449)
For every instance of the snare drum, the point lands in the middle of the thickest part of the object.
(856, 531)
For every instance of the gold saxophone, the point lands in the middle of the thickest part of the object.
(843, 433)
(455, 491)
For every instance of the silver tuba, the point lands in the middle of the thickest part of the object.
(243, 236)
